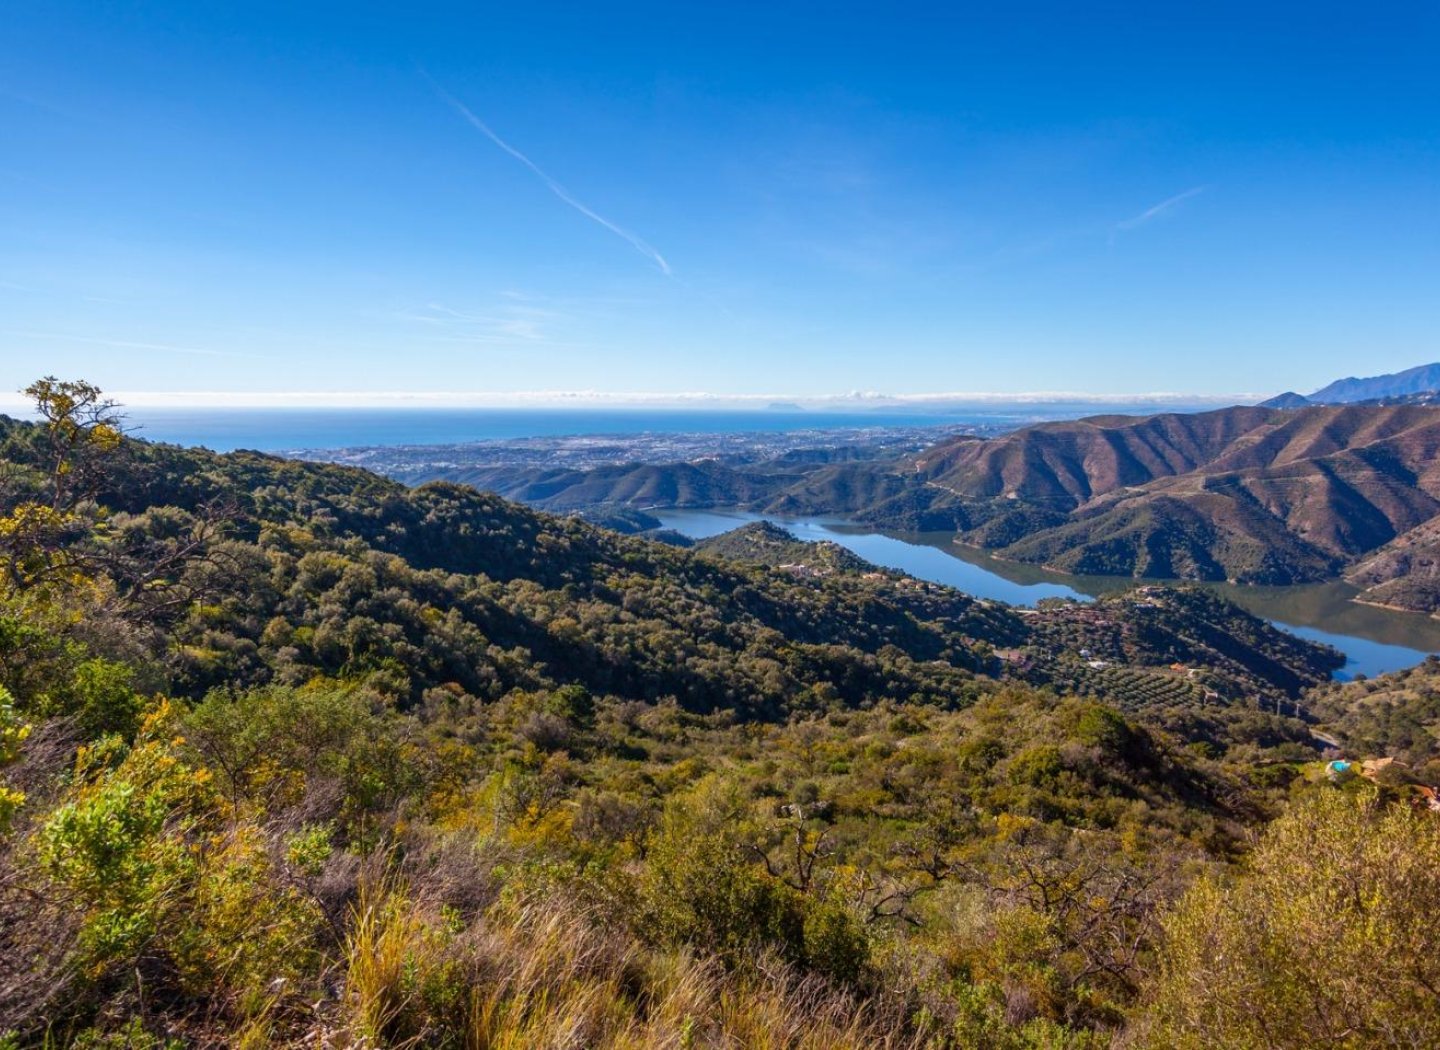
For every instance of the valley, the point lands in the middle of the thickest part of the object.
(1374, 640)
(655, 526)
(1249, 496)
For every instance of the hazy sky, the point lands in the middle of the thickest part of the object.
(780, 198)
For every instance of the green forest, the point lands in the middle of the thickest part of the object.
(292, 755)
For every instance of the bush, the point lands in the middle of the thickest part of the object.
(1329, 939)
(168, 883)
(121, 843)
(704, 887)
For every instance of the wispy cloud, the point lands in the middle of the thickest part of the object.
(125, 344)
(554, 187)
(1156, 211)
(511, 323)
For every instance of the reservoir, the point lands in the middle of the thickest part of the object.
(1373, 640)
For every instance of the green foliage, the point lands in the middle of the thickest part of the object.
(704, 886)
(12, 734)
(308, 849)
(272, 747)
(110, 847)
(1397, 716)
(101, 694)
(143, 848)
(442, 771)
(40, 511)
(1326, 938)
(133, 1036)
(1039, 766)
(1096, 726)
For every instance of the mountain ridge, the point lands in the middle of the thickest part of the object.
(1418, 380)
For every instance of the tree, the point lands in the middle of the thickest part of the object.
(158, 564)
(80, 433)
(82, 430)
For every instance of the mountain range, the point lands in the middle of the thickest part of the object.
(1249, 494)
(1419, 385)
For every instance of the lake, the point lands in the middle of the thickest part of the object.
(1373, 640)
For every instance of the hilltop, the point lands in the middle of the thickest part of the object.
(762, 543)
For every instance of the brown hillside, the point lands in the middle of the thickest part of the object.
(1253, 494)
(1075, 461)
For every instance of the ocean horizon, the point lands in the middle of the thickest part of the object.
(292, 429)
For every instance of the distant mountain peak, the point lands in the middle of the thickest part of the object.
(1289, 399)
(1418, 380)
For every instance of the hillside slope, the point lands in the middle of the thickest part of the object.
(334, 571)
(292, 755)
(1403, 574)
(1393, 716)
(1252, 494)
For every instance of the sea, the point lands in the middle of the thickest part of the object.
(284, 429)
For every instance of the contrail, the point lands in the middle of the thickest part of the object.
(1159, 209)
(554, 187)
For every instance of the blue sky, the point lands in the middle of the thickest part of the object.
(798, 199)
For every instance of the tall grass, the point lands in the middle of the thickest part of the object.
(544, 976)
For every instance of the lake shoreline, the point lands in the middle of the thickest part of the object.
(1374, 640)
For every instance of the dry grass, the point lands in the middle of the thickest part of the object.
(550, 978)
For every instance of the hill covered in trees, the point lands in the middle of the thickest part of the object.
(294, 755)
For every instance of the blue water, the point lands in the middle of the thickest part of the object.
(919, 560)
(1362, 655)
(1374, 641)
(284, 429)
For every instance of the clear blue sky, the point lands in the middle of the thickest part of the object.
(799, 198)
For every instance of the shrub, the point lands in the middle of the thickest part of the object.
(120, 844)
(704, 887)
(12, 734)
(1328, 939)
